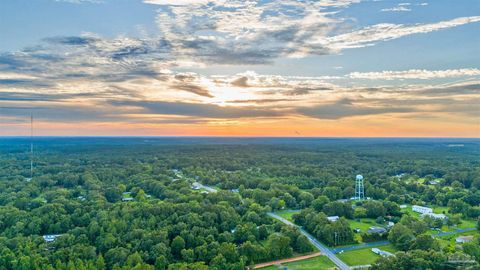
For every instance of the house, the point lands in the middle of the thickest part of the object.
(464, 239)
(50, 237)
(357, 230)
(435, 216)
(382, 253)
(128, 199)
(196, 186)
(403, 206)
(421, 209)
(434, 182)
(378, 230)
(390, 224)
(333, 218)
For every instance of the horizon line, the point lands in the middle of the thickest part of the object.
(238, 137)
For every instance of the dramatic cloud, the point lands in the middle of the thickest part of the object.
(368, 36)
(346, 108)
(169, 76)
(421, 74)
(258, 32)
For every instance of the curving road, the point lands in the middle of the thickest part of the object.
(322, 248)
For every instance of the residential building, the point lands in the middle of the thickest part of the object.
(436, 216)
(378, 230)
(464, 239)
(421, 209)
(50, 237)
(333, 218)
(382, 253)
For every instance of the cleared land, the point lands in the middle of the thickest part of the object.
(363, 256)
(316, 263)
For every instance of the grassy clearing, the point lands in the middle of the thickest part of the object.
(363, 224)
(287, 214)
(363, 256)
(317, 263)
(359, 256)
(389, 248)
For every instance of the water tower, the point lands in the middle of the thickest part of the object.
(359, 188)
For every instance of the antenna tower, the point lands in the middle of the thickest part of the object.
(31, 146)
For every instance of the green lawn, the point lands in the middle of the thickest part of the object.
(363, 224)
(467, 223)
(363, 256)
(389, 248)
(287, 214)
(317, 263)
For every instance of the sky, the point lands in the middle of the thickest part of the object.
(322, 68)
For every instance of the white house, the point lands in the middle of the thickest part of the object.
(378, 230)
(403, 206)
(421, 209)
(50, 237)
(436, 216)
(464, 239)
(333, 218)
(382, 253)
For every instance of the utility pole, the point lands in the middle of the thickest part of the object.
(31, 147)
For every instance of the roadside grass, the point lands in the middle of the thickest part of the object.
(320, 263)
(390, 248)
(359, 256)
(317, 263)
(287, 214)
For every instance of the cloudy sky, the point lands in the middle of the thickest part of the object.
(240, 67)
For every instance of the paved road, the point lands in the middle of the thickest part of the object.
(322, 248)
(359, 246)
(455, 231)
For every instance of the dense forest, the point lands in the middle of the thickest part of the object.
(134, 203)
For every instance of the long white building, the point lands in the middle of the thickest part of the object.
(422, 209)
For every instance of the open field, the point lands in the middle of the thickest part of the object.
(363, 224)
(363, 256)
(317, 263)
